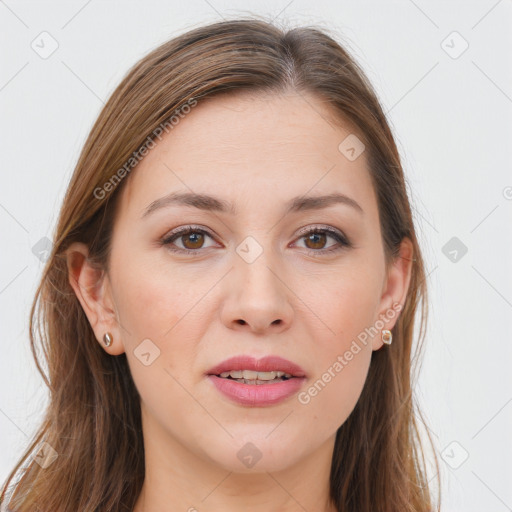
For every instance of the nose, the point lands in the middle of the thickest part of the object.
(258, 300)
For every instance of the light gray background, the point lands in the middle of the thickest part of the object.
(451, 113)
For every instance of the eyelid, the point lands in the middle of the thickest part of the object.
(321, 227)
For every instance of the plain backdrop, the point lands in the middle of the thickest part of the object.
(443, 73)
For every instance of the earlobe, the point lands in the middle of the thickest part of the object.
(90, 286)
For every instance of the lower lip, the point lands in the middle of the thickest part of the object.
(257, 395)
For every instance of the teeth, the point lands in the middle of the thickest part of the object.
(255, 382)
(252, 375)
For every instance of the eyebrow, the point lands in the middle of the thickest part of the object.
(211, 203)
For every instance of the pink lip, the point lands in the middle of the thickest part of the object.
(265, 364)
(257, 395)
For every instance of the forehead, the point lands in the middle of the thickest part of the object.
(273, 146)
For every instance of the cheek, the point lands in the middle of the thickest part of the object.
(347, 306)
(159, 305)
(153, 302)
(333, 391)
(155, 309)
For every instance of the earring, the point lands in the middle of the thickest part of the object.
(107, 339)
(387, 337)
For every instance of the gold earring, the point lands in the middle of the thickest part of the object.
(107, 339)
(387, 337)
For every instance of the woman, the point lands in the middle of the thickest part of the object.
(228, 309)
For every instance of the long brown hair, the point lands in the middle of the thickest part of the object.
(93, 419)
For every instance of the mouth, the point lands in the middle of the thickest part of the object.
(254, 383)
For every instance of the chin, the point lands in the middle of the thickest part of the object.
(253, 454)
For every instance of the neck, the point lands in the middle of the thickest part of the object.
(178, 479)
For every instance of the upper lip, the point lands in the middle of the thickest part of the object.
(265, 364)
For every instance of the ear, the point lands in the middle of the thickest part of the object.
(395, 288)
(92, 288)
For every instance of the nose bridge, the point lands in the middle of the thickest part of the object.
(257, 266)
(259, 297)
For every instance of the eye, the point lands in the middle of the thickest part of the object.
(315, 239)
(192, 239)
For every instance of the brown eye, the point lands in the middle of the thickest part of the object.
(317, 240)
(189, 240)
(192, 240)
(195, 239)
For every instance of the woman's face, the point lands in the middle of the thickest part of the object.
(248, 280)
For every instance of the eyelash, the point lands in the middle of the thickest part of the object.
(339, 237)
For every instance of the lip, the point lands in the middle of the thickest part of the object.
(265, 364)
(257, 395)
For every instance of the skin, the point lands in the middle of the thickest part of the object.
(257, 152)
